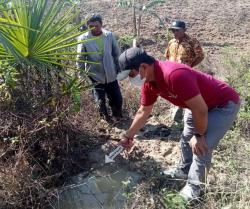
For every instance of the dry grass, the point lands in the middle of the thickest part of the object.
(230, 178)
(39, 151)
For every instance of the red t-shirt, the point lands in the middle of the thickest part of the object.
(178, 83)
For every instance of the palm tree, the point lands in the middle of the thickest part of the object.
(38, 40)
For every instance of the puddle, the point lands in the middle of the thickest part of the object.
(105, 188)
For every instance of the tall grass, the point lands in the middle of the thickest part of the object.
(230, 174)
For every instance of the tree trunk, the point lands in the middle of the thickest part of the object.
(139, 27)
(134, 18)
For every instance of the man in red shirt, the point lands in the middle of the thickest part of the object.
(212, 104)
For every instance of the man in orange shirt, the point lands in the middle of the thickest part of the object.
(183, 49)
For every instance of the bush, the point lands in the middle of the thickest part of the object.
(237, 70)
(125, 42)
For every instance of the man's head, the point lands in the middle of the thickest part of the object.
(95, 24)
(136, 62)
(178, 28)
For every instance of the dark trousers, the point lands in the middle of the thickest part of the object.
(113, 93)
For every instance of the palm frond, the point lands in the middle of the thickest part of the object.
(34, 32)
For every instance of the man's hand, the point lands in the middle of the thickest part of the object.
(126, 142)
(199, 145)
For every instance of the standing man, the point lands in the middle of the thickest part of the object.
(183, 49)
(104, 71)
(212, 107)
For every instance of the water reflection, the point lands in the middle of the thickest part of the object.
(103, 189)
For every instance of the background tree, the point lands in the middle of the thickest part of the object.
(140, 8)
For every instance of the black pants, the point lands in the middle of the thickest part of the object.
(113, 93)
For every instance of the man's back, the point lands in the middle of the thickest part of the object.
(178, 83)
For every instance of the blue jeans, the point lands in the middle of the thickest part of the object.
(113, 93)
(219, 122)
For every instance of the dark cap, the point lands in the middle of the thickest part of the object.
(178, 25)
(131, 58)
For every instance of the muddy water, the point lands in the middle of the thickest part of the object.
(106, 188)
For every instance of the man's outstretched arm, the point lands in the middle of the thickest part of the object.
(138, 122)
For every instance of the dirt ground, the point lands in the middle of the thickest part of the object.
(216, 24)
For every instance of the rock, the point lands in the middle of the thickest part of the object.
(227, 207)
(117, 130)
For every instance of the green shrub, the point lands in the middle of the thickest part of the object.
(238, 76)
(125, 42)
(36, 50)
(172, 200)
(237, 70)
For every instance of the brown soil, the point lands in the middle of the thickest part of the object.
(216, 24)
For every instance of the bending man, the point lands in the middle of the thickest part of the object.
(212, 107)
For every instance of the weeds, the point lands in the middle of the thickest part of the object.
(172, 200)
(232, 156)
(39, 151)
(125, 42)
(128, 194)
(131, 97)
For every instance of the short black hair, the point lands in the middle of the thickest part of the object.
(94, 18)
